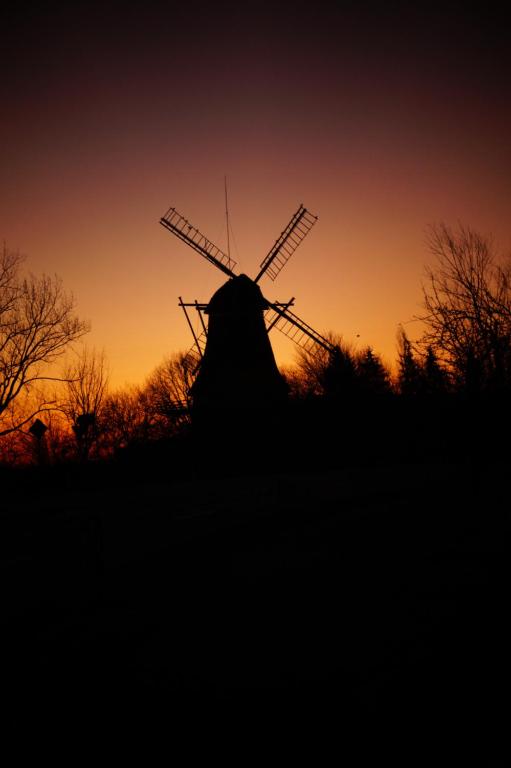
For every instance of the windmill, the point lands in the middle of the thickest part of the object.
(231, 358)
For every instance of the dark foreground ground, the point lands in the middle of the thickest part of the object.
(367, 599)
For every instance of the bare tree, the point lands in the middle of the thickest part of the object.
(298, 385)
(467, 302)
(37, 324)
(15, 448)
(86, 380)
(167, 393)
(324, 373)
(10, 263)
(124, 420)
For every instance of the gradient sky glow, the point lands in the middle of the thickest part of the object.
(380, 118)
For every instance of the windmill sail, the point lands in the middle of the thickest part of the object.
(299, 226)
(181, 227)
(193, 357)
(296, 329)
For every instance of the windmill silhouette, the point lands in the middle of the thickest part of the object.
(232, 358)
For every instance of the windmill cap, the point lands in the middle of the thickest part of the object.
(239, 295)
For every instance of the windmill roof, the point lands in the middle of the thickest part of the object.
(238, 295)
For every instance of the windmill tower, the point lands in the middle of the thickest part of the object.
(232, 358)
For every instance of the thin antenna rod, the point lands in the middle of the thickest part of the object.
(227, 218)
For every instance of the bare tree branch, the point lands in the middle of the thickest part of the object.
(467, 303)
(86, 380)
(167, 392)
(37, 324)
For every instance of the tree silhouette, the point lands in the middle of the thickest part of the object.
(340, 376)
(435, 379)
(321, 373)
(166, 395)
(373, 377)
(467, 302)
(85, 389)
(124, 420)
(410, 372)
(419, 374)
(37, 324)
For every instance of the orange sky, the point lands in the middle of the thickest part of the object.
(380, 122)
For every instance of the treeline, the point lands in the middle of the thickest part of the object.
(461, 354)
(464, 344)
(87, 421)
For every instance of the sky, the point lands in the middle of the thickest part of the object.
(382, 119)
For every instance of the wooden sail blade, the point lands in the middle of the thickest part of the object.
(193, 357)
(300, 225)
(181, 227)
(296, 329)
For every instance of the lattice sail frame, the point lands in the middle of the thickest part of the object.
(298, 228)
(181, 227)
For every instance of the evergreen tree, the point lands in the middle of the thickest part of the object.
(410, 374)
(435, 379)
(339, 378)
(373, 377)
